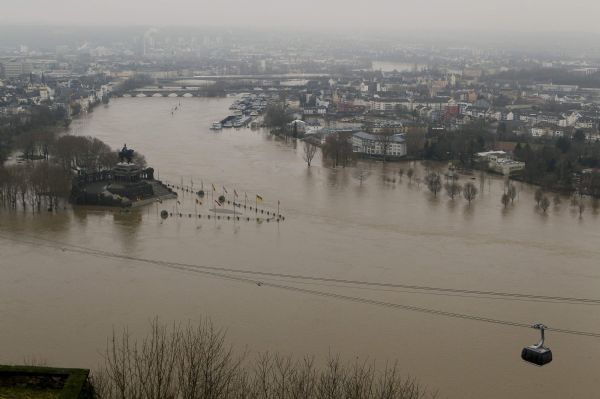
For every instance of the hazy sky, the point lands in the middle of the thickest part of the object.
(520, 15)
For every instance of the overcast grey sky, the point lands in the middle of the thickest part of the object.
(519, 15)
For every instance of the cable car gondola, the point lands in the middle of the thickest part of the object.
(537, 354)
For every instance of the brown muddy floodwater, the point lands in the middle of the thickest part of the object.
(60, 305)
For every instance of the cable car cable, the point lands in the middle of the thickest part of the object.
(508, 295)
(412, 308)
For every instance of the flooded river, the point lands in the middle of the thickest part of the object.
(59, 305)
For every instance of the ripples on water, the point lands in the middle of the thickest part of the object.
(61, 306)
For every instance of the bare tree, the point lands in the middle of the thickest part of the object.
(410, 173)
(505, 200)
(512, 192)
(544, 203)
(145, 370)
(338, 149)
(574, 201)
(207, 367)
(195, 363)
(470, 192)
(433, 182)
(539, 194)
(453, 189)
(556, 200)
(309, 152)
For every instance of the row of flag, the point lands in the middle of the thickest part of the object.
(235, 193)
(259, 198)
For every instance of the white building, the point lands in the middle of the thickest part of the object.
(297, 126)
(501, 162)
(373, 145)
(381, 105)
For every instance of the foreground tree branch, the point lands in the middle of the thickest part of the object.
(195, 362)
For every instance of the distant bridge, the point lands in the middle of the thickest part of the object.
(280, 76)
(195, 86)
(166, 92)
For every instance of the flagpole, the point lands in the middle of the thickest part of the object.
(278, 208)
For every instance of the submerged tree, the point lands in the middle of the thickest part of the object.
(556, 200)
(337, 149)
(309, 152)
(505, 199)
(433, 182)
(539, 194)
(512, 192)
(453, 189)
(544, 203)
(470, 192)
(410, 174)
(276, 116)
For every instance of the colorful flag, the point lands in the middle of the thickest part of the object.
(259, 198)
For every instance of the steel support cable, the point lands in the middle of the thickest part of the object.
(436, 312)
(317, 278)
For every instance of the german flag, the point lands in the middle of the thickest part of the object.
(259, 198)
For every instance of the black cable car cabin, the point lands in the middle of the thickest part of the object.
(537, 354)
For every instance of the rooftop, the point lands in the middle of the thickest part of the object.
(396, 138)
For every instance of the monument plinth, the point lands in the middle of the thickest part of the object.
(126, 184)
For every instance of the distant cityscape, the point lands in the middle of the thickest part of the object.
(419, 96)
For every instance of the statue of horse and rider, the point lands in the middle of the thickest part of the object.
(126, 154)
